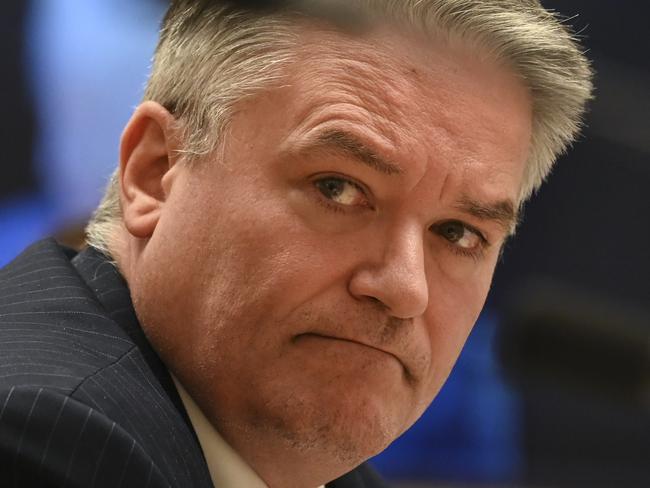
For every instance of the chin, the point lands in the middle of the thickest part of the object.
(346, 428)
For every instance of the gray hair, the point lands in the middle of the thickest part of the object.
(212, 55)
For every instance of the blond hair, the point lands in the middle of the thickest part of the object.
(211, 55)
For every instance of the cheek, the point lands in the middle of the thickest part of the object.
(460, 302)
(247, 247)
(459, 289)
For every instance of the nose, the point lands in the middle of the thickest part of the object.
(398, 280)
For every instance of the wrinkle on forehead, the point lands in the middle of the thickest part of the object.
(424, 100)
(361, 75)
(384, 68)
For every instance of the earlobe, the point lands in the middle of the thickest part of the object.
(147, 155)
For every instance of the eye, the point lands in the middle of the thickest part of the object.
(341, 191)
(460, 235)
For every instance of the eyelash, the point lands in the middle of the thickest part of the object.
(475, 254)
(330, 205)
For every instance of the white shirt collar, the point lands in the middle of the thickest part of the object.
(227, 468)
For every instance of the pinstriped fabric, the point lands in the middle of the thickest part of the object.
(57, 441)
(84, 401)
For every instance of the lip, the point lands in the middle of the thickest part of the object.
(356, 342)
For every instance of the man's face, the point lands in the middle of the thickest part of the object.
(314, 279)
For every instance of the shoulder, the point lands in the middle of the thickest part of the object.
(50, 439)
(53, 332)
(79, 403)
(53, 337)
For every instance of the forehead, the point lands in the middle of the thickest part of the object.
(423, 99)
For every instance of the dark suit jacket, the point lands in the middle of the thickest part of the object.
(84, 399)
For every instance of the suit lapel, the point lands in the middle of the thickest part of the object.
(112, 292)
(86, 310)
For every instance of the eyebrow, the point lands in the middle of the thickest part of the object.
(503, 212)
(350, 145)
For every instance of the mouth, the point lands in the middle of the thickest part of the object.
(313, 335)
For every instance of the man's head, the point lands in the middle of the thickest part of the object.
(212, 55)
(310, 217)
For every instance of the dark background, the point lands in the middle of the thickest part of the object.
(554, 387)
(573, 285)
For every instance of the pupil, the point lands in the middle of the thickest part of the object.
(453, 231)
(331, 187)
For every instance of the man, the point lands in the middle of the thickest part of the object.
(301, 234)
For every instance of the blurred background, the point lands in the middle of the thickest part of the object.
(553, 387)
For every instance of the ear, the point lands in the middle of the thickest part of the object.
(147, 156)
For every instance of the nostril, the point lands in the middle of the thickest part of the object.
(376, 302)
